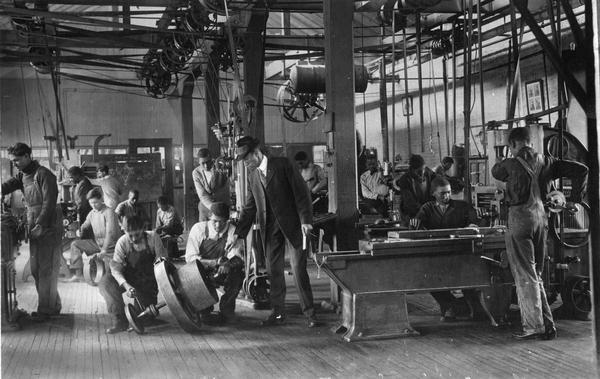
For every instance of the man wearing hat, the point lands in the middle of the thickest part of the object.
(279, 202)
(207, 243)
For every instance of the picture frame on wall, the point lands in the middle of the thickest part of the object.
(407, 106)
(534, 92)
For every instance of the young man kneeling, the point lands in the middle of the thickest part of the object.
(215, 245)
(132, 271)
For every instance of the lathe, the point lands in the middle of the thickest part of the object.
(376, 279)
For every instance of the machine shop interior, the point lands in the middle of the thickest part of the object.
(300, 188)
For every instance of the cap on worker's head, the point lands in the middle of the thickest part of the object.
(220, 209)
(245, 146)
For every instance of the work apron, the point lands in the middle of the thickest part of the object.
(525, 243)
(213, 249)
(45, 251)
(139, 273)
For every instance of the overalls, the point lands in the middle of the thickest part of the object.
(139, 273)
(45, 251)
(232, 282)
(525, 244)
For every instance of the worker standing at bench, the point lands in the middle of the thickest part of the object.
(528, 177)
(445, 213)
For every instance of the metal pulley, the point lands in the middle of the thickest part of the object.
(299, 107)
(93, 270)
(185, 292)
(310, 78)
(137, 317)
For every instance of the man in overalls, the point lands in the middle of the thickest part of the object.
(44, 222)
(132, 271)
(528, 176)
(207, 243)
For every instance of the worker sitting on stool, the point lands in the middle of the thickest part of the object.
(445, 213)
(104, 224)
(374, 188)
(207, 243)
(132, 271)
(168, 226)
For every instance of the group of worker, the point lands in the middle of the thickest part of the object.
(280, 204)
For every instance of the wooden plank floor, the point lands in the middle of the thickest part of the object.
(74, 345)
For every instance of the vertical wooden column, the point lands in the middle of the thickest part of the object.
(254, 73)
(187, 134)
(211, 92)
(339, 63)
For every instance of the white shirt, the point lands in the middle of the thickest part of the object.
(263, 165)
(198, 234)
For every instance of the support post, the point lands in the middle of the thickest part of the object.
(254, 72)
(339, 63)
(385, 155)
(211, 90)
(420, 80)
(187, 134)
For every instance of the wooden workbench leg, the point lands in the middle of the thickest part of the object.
(367, 316)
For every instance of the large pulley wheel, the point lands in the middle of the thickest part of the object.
(93, 271)
(577, 221)
(299, 107)
(576, 296)
(258, 288)
(171, 289)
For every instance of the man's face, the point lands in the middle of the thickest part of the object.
(419, 172)
(219, 223)
(96, 203)
(302, 163)
(372, 165)
(133, 198)
(206, 163)
(75, 178)
(135, 235)
(446, 166)
(252, 161)
(20, 161)
(442, 194)
(163, 207)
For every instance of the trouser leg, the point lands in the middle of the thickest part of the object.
(539, 242)
(520, 251)
(444, 299)
(231, 286)
(78, 247)
(113, 296)
(275, 253)
(45, 255)
(298, 262)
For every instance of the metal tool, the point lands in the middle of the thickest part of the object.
(136, 319)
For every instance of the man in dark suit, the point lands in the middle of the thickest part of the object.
(211, 185)
(279, 202)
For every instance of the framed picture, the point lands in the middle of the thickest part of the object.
(407, 105)
(535, 96)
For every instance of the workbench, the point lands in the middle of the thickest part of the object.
(376, 279)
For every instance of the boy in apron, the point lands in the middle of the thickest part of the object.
(131, 271)
(215, 245)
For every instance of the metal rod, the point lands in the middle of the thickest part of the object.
(481, 93)
(408, 105)
(420, 76)
(446, 112)
(453, 84)
(467, 98)
(383, 112)
(393, 87)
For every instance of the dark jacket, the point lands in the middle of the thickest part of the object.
(518, 181)
(458, 215)
(412, 196)
(45, 212)
(287, 195)
(80, 198)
